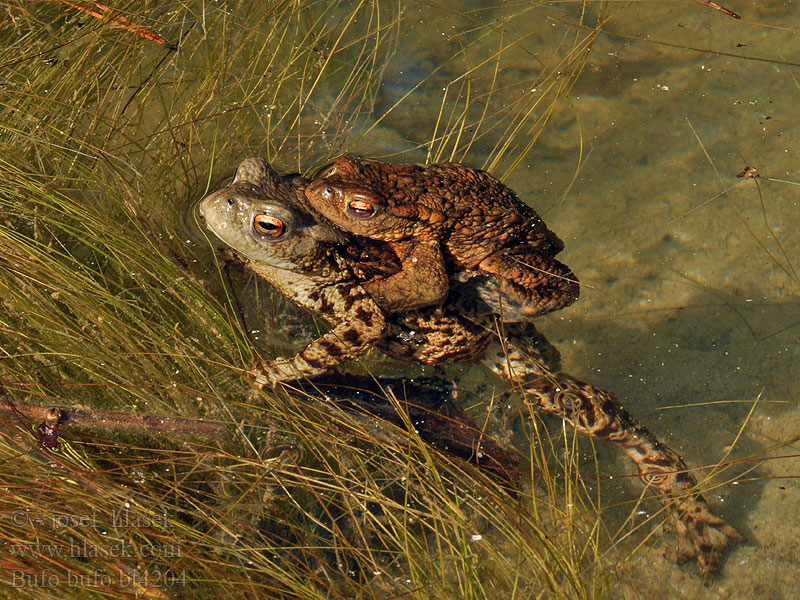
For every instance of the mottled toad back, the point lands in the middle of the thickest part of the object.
(265, 218)
(457, 218)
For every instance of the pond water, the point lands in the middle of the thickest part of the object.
(690, 288)
(623, 124)
(689, 310)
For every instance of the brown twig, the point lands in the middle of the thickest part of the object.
(117, 421)
(104, 13)
(426, 404)
(716, 6)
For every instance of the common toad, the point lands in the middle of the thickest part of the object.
(264, 216)
(445, 219)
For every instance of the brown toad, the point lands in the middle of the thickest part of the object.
(264, 216)
(442, 220)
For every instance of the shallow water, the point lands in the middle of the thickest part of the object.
(689, 310)
(689, 307)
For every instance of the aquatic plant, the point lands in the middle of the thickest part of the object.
(112, 123)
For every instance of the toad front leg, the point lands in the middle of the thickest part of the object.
(538, 283)
(358, 324)
(423, 280)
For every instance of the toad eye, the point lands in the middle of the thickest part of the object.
(360, 209)
(269, 227)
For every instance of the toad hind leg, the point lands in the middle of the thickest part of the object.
(360, 324)
(537, 281)
(701, 535)
(435, 337)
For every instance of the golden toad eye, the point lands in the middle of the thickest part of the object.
(269, 227)
(360, 209)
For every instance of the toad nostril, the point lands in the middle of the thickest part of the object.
(231, 201)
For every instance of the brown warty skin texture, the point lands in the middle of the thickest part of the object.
(445, 219)
(266, 219)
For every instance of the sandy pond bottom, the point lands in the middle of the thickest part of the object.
(689, 310)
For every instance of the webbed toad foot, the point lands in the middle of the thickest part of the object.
(267, 373)
(701, 535)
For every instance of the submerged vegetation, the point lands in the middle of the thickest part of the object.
(112, 301)
(109, 303)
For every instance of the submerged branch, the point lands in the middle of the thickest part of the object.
(425, 405)
(112, 420)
